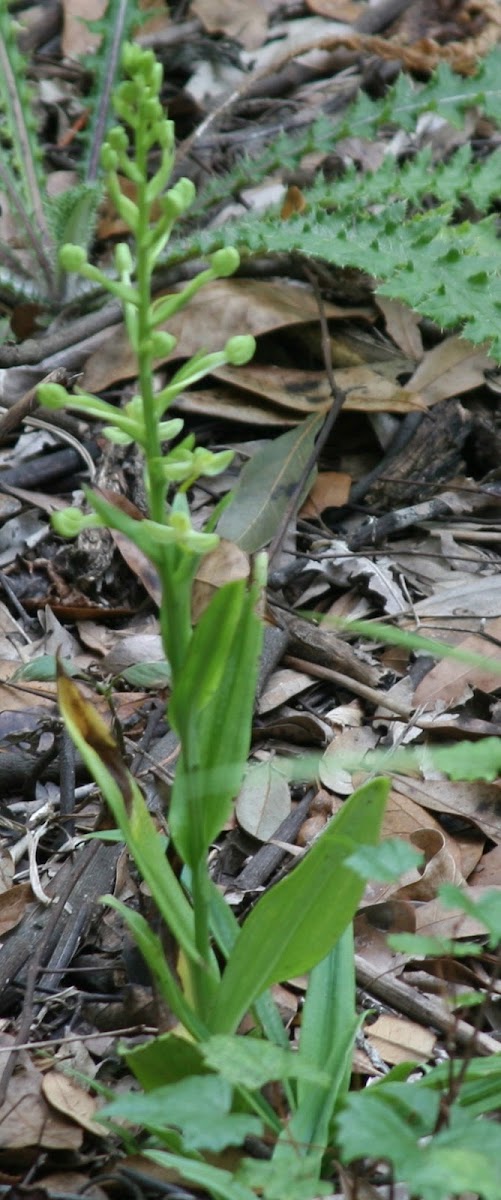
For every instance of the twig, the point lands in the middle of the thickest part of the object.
(373, 695)
(34, 968)
(269, 857)
(427, 1010)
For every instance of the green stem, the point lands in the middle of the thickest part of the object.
(175, 610)
(201, 975)
(152, 446)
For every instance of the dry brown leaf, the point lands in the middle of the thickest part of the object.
(479, 802)
(371, 940)
(13, 905)
(448, 679)
(281, 687)
(299, 728)
(70, 1099)
(337, 10)
(451, 368)
(403, 326)
(397, 1039)
(139, 564)
(27, 1120)
(331, 489)
(440, 865)
(131, 649)
(354, 741)
(469, 851)
(477, 599)
(77, 38)
(487, 873)
(220, 310)
(245, 23)
(366, 389)
(433, 918)
(403, 817)
(69, 1182)
(223, 565)
(14, 696)
(231, 405)
(6, 870)
(263, 801)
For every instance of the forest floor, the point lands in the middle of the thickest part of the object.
(399, 523)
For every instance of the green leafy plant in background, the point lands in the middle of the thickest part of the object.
(448, 270)
(46, 222)
(218, 972)
(432, 1132)
(403, 104)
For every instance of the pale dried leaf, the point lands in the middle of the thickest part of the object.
(281, 687)
(440, 866)
(366, 388)
(77, 38)
(246, 23)
(331, 489)
(263, 801)
(403, 326)
(341, 565)
(397, 1039)
(13, 905)
(27, 1120)
(225, 564)
(69, 1098)
(471, 599)
(479, 802)
(220, 310)
(6, 870)
(453, 366)
(447, 680)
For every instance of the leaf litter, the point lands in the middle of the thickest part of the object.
(97, 600)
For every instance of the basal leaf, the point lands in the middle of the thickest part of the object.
(295, 924)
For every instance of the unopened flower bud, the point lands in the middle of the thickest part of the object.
(72, 258)
(239, 350)
(71, 521)
(225, 262)
(52, 395)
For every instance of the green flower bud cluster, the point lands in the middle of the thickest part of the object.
(186, 463)
(149, 208)
(150, 536)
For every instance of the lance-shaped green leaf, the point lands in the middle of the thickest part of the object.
(212, 709)
(295, 924)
